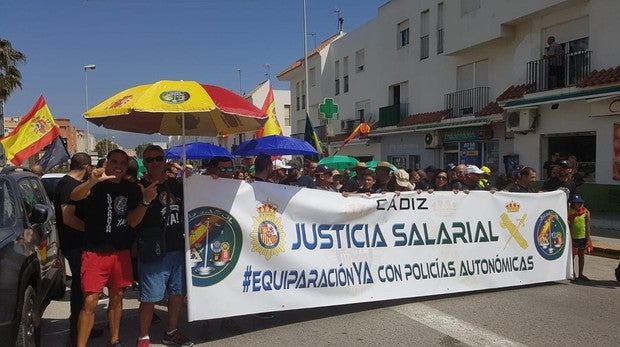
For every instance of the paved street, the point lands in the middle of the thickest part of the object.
(551, 314)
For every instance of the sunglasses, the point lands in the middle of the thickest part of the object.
(441, 177)
(158, 159)
(226, 169)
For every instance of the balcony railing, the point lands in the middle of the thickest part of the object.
(392, 115)
(466, 102)
(570, 69)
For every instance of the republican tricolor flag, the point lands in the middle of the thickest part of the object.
(36, 130)
(271, 126)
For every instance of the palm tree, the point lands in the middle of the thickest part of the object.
(10, 76)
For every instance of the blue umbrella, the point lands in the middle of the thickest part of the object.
(275, 145)
(198, 150)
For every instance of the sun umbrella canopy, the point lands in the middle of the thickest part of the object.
(198, 150)
(372, 165)
(160, 108)
(275, 145)
(339, 162)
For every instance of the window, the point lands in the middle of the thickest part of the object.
(472, 75)
(468, 6)
(337, 80)
(303, 94)
(287, 115)
(361, 110)
(424, 28)
(359, 60)
(312, 76)
(403, 34)
(297, 94)
(440, 28)
(345, 73)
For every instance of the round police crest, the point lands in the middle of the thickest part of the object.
(215, 241)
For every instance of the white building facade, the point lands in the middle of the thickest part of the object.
(465, 81)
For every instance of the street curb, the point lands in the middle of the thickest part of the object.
(606, 252)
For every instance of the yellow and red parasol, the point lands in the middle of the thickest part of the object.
(177, 108)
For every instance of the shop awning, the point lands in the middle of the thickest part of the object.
(557, 98)
(453, 123)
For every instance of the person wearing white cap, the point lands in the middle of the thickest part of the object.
(472, 176)
(400, 182)
(279, 171)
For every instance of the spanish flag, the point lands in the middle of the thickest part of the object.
(271, 126)
(362, 129)
(36, 130)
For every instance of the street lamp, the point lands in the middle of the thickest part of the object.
(86, 68)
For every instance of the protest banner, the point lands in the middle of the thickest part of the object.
(266, 247)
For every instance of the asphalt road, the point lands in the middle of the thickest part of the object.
(560, 313)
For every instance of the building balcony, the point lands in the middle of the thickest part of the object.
(570, 69)
(466, 102)
(393, 114)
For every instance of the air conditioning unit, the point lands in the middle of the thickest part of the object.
(432, 140)
(521, 120)
(348, 125)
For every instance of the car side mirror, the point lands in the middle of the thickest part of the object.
(39, 214)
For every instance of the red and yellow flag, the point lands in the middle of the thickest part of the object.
(362, 129)
(36, 130)
(271, 126)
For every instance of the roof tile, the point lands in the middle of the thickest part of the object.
(315, 51)
(514, 92)
(419, 118)
(599, 77)
(491, 108)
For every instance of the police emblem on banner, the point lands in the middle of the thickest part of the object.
(550, 235)
(215, 241)
(268, 236)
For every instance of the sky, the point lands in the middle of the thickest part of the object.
(235, 44)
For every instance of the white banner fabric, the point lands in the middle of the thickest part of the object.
(264, 247)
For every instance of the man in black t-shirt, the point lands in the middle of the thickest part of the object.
(562, 180)
(112, 209)
(71, 234)
(296, 178)
(166, 273)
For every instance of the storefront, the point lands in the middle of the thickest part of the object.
(471, 145)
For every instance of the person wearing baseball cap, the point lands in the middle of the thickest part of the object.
(579, 223)
(472, 177)
(400, 182)
(323, 178)
(297, 178)
(563, 180)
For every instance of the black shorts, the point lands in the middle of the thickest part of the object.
(580, 243)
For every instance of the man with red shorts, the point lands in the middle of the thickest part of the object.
(110, 207)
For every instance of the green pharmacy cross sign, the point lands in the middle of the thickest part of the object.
(328, 108)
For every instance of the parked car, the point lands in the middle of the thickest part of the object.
(32, 268)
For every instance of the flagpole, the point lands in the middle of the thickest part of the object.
(306, 63)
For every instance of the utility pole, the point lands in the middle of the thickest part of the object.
(240, 90)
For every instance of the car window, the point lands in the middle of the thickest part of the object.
(33, 192)
(7, 206)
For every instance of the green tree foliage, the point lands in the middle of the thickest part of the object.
(10, 76)
(140, 149)
(104, 146)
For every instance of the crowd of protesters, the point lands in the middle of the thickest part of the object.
(126, 203)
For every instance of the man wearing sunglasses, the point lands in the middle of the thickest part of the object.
(222, 167)
(163, 221)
